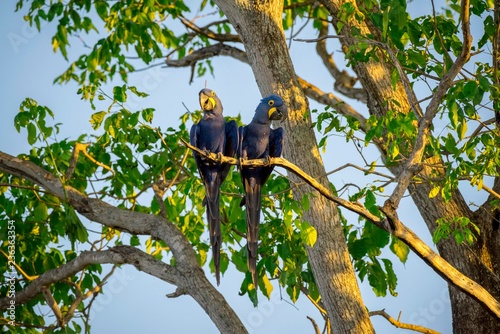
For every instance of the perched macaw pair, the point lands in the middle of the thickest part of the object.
(255, 141)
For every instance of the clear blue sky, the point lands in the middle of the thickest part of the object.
(135, 302)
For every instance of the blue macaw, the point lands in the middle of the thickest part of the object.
(257, 141)
(213, 134)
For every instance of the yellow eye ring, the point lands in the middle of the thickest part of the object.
(213, 93)
(271, 102)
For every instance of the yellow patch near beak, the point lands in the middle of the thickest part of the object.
(270, 112)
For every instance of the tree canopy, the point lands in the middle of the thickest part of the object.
(413, 97)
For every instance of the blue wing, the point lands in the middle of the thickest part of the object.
(276, 139)
(210, 174)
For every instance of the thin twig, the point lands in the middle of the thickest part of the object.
(403, 325)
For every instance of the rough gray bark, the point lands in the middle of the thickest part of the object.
(259, 25)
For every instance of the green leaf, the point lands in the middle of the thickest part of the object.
(377, 279)
(305, 203)
(40, 212)
(134, 240)
(31, 133)
(75, 229)
(147, 114)
(102, 9)
(434, 191)
(394, 78)
(224, 262)
(293, 291)
(96, 119)
(392, 279)
(451, 144)
(462, 129)
(376, 236)
(385, 23)
(393, 151)
(400, 249)
(358, 248)
(314, 292)
(239, 260)
(308, 234)
(119, 93)
(453, 113)
(371, 203)
(266, 286)
(470, 89)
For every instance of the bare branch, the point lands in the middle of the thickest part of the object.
(80, 147)
(177, 293)
(329, 99)
(315, 325)
(205, 31)
(366, 171)
(346, 80)
(51, 302)
(80, 297)
(344, 83)
(115, 255)
(403, 325)
(208, 52)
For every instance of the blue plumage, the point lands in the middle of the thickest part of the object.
(257, 141)
(212, 133)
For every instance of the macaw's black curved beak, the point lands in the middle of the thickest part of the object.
(278, 113)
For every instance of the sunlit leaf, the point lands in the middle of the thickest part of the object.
(308, 233)
(400, 249)
(266, 286)
(434, 191)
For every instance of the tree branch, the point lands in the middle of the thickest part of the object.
(219, 49)
(344, 83)
(115, 255)
(51, 302)
(403, 325)
(343, 77)
(425, 123)
(205, 31)
(315, 325)
(329, 99)
(81, 297)
(391, 224)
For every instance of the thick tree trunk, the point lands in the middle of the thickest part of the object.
(259, 25)
(480, 262)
